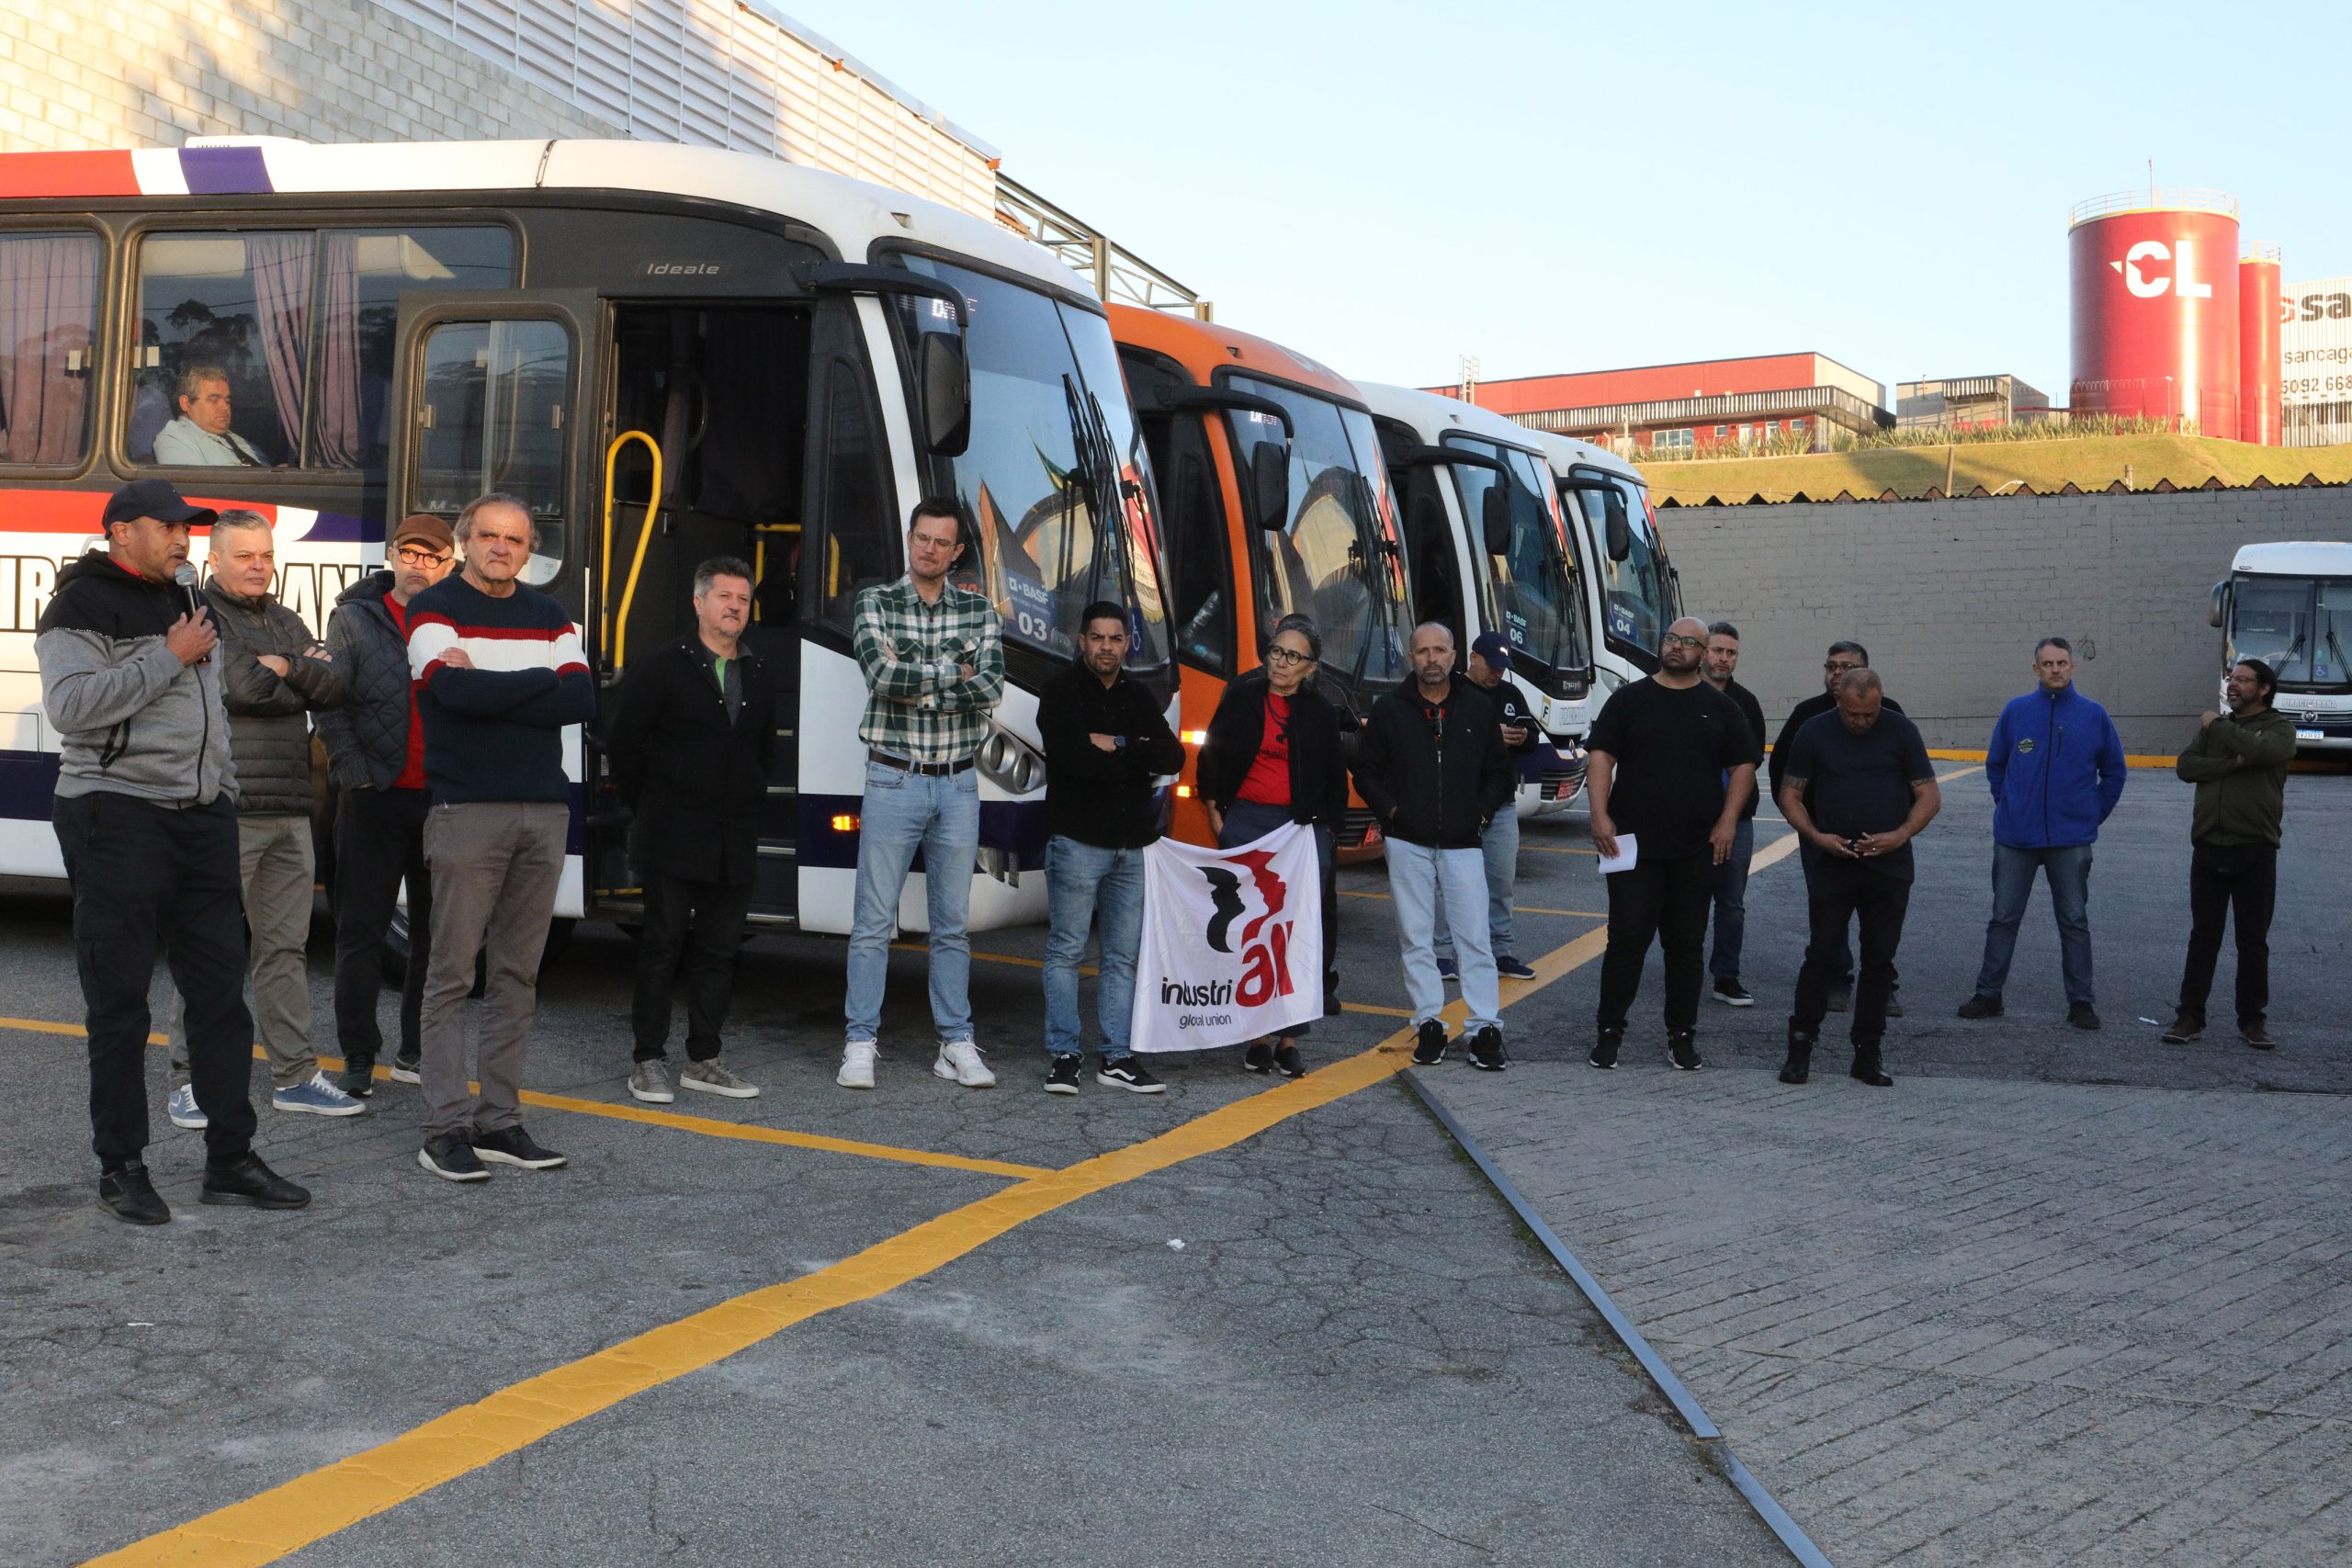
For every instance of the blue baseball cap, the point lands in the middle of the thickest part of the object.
(159, 499)
(1490, 647)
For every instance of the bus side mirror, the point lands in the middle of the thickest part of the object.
(1619, 532)
(1270, 483)
(1495, 519)
(2221, 610)
(945, 383)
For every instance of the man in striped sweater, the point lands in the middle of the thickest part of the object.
(499, 675)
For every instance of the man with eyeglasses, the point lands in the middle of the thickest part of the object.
(376, 761)
(1671, 761)
(1842, 659)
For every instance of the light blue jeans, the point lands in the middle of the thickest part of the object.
(1500, 849)
(1414, 877)
(2069, 874)
(905, 812)
(1084, 884)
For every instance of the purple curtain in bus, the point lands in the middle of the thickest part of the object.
(48, 289)
(281, 272)
(342, 442)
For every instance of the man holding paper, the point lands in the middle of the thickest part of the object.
(1672, 761)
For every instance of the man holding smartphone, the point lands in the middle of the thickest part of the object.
(1858, 788)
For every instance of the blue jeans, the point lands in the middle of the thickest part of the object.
(905, 812)
(1084, 884)
(2068, 872)
(1499, 846)
(1731, 906)
(1415, 874)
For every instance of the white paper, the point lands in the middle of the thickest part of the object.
(1624, 859)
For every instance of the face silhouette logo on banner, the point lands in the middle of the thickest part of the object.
(1226, 934)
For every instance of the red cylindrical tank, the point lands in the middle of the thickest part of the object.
(2155, 307)
(2258, 370)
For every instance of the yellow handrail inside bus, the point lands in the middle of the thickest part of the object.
(616, 626)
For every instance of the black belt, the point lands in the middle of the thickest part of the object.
(928, 769)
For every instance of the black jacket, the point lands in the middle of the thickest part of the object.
(1799, 716)
(1318, 771)
(1098, 797)
(131, 718)
(695, 778)
(1436, 784)
(366, 738)
(267, 731)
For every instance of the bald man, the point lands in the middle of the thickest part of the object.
(1672, 765)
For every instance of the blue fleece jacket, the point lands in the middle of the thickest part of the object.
(2055, 765)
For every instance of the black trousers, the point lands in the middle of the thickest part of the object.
(1666, 900)
(700, 925)
(148, 879)
(1837, 893)
(379, 840)
(2242, 881)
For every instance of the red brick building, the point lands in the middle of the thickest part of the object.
(1773, 399)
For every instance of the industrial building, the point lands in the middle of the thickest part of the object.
(2315, 350)
(1968, 403)
(1773, 400)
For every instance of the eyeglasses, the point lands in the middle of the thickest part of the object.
(1283, 656)
(1840, 666)
(413, 555)
(1672, 638)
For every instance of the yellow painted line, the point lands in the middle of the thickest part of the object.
(43, 1026)
(2131, 758)
(1957, 774)
(1375, 1008)
(1557, 849)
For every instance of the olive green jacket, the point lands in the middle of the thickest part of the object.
(2239, 766)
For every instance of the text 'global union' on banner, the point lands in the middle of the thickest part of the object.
(1232, 942)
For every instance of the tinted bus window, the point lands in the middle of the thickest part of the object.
(492, 419)
(49, 303)
(859, 550)
(362, 274)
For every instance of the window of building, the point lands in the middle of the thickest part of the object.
(274, 349)
(1672, 440)
(1722, 431)
(49, 306)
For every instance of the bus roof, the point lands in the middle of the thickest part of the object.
(1432, 415)
(2303, 559)
(854, 213)
(1203, 348)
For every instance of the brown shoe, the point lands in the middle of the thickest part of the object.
(2256, 1036)
(2185, 1028)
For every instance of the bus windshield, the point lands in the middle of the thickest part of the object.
(1635, 596)
(1533, 596)
(1335, 559)
(2296, 624)
(1053, 444)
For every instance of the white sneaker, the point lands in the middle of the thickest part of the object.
(960, 1060)
(858, 1064)
(182, 1109)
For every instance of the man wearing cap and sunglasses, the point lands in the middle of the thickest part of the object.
(376, 757)
(146, 820)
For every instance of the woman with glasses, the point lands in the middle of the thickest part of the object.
(1271, 757)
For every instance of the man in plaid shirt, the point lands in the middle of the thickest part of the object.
(934, 671)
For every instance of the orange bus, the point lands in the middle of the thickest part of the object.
(1273, 500)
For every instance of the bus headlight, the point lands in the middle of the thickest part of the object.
(1008, 762)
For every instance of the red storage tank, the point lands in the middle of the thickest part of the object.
(2155, 307)
(2258, 369)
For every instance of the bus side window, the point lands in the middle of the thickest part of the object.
(858, 522)
(491, 397)
(49, 303)
(1202, 608)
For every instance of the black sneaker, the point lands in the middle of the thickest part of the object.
(1062, 1073)
(1128, 1074)
(1731, 993)
(451, 1159)
(1428, 1043)
(1604, 1049)
(1840, 1000)
(1981, 1006)
(2185, 1027)
(1893, 1004)
(130, 1197)
(248, 1183)
(1510, 968)
(1683, 1050)
(408, 1067)
(1258, 1056)
(2082, 1015)
(1867, 1069)
(512, 1146)
(1487, 1050)
(1287, 1062)
(358, 1078)
(1798, 1067)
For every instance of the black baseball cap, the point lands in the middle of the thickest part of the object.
(1490, 647)
(159, 499)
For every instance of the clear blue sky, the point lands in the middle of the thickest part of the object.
(1578, 186)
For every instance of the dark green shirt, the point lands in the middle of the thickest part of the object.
(2239, 766)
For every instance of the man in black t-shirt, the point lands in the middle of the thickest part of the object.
(1731, 877)
(1858, 788)
(1672, 761)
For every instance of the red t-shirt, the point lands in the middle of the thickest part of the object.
(1268, 780)
(412, 772)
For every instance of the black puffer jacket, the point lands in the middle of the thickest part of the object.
(1435, 773)
(267, 733)
(366, 737)
(1318, 771)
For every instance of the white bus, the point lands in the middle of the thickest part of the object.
(670, 353)
(1634, 591)
(2290, 607)
(1486, 549)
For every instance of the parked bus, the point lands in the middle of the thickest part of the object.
(1275, 500)
(1633, 589)
(669, 353)
(2290, 607)
(1488, 548)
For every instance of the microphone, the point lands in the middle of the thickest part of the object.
(190, 601)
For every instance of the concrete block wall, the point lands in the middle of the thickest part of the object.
(152, 72)
(1949, 596)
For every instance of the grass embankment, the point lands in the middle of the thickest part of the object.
(2089, 462)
